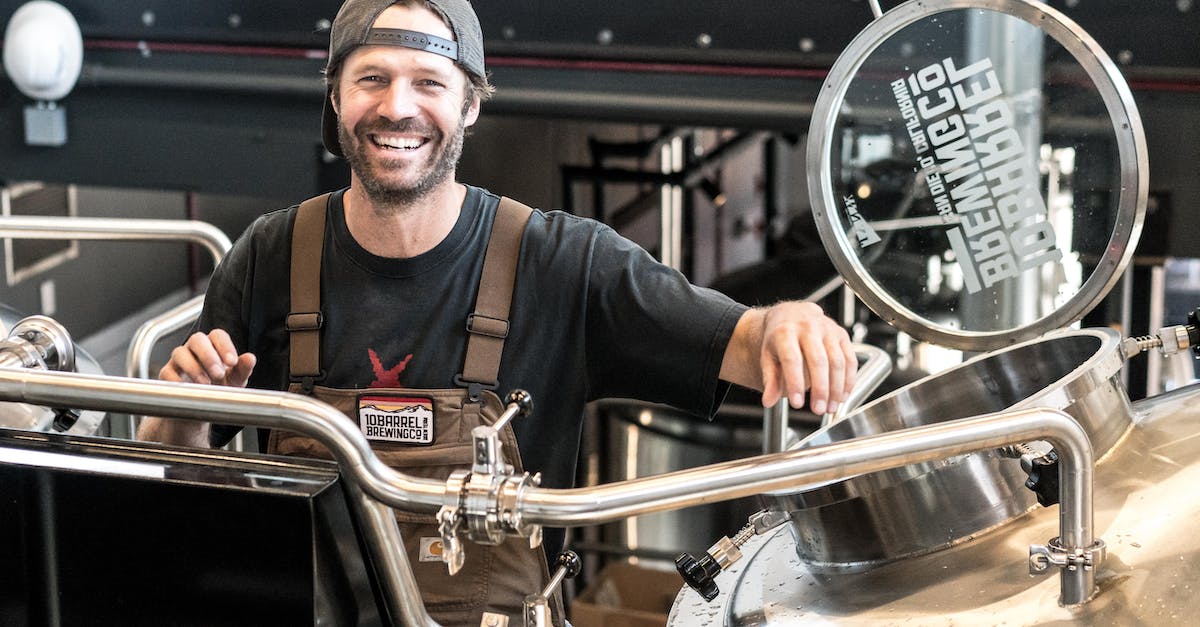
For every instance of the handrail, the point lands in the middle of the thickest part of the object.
(141, 347)
(137, 362)
(870, 376)
(875, 369)
(137, 359)
(118, 229)
(599, 504)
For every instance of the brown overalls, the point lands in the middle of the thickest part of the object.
(494, 578)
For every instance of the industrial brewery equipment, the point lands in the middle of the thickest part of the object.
(482, 504)
(1014, 169)
(39, 342)
(1058, 390)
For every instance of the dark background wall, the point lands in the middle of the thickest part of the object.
(211, 110)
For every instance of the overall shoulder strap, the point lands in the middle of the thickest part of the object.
(488, 325)
(304, 319)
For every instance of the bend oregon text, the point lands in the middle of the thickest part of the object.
(984, 184)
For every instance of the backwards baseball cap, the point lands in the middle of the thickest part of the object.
(353, 28)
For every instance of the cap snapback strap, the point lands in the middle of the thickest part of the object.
(413, 39)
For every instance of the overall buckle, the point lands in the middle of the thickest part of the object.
(474, 388)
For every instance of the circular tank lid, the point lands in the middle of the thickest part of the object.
(977, 170)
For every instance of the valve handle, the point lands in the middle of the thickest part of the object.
(1043, 479)
(569, 565)
(568, 561)
(699, 574)
(65, 418)
(522, 399)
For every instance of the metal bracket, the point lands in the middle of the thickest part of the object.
(1042, 557)
(489, 452)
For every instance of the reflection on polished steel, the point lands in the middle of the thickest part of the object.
(873, 519)
(38, 342)
(1145, 504)
(856, 79)
(362, 470)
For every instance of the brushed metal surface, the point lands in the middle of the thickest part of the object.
(894, 514)
(1145, 507)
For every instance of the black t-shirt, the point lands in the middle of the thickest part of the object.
(593, 316)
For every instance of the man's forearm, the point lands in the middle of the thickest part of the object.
(179, 432)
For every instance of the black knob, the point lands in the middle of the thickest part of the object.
(65, 418)
(570, 563)
(699, 574)
(1043, 479)
(522, 399)
(1193, 330)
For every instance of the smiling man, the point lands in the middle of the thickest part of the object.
(414, 300)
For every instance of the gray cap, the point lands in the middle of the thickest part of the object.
(352, 28)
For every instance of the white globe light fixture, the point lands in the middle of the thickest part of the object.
(43, 55)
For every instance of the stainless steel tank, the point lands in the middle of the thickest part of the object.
(978, 174)
(646, 439)
(1145, 509)
(885, 516)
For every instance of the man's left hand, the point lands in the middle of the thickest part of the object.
(797, 348)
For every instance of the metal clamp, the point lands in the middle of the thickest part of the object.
(506, 503)
(489, 451)
(1042, 557)
(484, 524)
(450, 522)
(490, 508)
(486, 506)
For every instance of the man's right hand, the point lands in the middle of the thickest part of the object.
(204, 358)
(209, 358)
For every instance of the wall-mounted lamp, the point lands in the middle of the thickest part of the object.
(43, 55)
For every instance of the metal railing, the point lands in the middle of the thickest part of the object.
(876, 367)
(137, 359)
(381, 485)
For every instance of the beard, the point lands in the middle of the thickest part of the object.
(378, 177)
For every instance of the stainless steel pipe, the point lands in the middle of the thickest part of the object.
(876, 367)
(364, 473)
(117, 229)
(137, 358)
(274, 410)
(606, 503)
(147, 336)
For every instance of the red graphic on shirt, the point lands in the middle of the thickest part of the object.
(390, 377)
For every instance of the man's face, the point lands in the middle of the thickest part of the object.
(402, 113)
